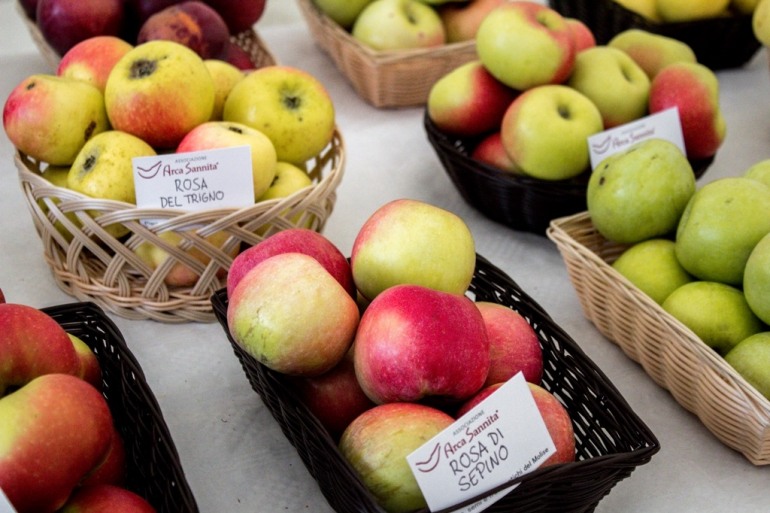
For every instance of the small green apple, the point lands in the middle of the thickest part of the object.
(398, 25)
(751, 358)
(756, 279)
(343, 12)
(759, 171)
(652, 51)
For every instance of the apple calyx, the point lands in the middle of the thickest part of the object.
(143, 68)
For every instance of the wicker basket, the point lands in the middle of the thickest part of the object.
(153, 469)
(674, 357)
(611, 440)
(719, 43)
(395, 78)
(89, 263)
(517, 201)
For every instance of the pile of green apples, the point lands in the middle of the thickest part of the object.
(60, 450)
(675, 11)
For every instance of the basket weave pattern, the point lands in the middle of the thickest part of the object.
(674, 357)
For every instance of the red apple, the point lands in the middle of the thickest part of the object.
(239, 15)
(462, 19)
(112, 468)
(106, 499)
(64, 23)
(30, 8)
(490, 150)
(92, 60)
(238, 57)
(582, 35)
(419, 344)
(143, 9)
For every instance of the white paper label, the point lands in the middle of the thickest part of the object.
(5, 504)
(193, 181)
(502, 438)
(661, 125)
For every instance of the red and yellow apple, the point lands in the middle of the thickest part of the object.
(651, 51)
(106, 498)
(92, 60)
(397, 25)
(490, 150)
(462, 19)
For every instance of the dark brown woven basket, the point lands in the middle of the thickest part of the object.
(611, 440)
(518, 201)
(719, 43)
(153, 467)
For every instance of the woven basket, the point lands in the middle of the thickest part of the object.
(611, 440)
(395, 78)
(674, 357)
(153, 469)
(89, 263)
(517, 201)
(719, 43)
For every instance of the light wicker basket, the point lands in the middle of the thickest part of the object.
(89, 263)
(674, 357)
(395, 78)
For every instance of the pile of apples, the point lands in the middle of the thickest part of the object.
(674, 11)
(61, 450)
(110, 101)
(541, 86)
(386, 349)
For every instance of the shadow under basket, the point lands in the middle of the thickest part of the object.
(611, 440)
(153, 469)
(672, 355)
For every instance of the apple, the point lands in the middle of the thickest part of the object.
(614, 82)
(159, 91)
(760, 23)
(490, 150)
(293, 240)
(744, 6)
(462, 19)
(641, 192)
(545, 131)
(582, 36)
(398, 25)
(140, 10)
(377, 443)
(513, 345)
(30, 8)
(288, 180)
(90, 369)
(410, 241)
(227, 134)
(289, 105)
(190, 23)
(342, 12)
(756, 279)
(694, 90)
(57, 175)
(92, 59)
(419, 344)
(651, 51)
(468, 100)
(112, 467)
(651, 265)
(759, 171)
(238, 57)
(106, 498)
(54, 430)
(648, 9)
(50, 118)
(751, 359)
(690, 10)
(225, 76)
(723, 222)
(716, 312)
(291, 315)
(239, 15)
(64, 23)
(525, 44)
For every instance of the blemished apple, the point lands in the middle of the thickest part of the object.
(716, 312)
(545, 131)
(377, 443)
(65, 23)
(225, 76)
(613, 81)
(228, 134)
(343, 12)
(418, 344)
(159, 91)
(112, 467)
(105, 498)
(645, 8)
(468, 100)
(398, 25)
(289, 105)
(411, 241)
(90, 369)
(490, 150)
(694, 90)
(462, 19)
(525, 44)
(55, 429)
(651, 51)
(513, 345)
(291, 315)
(92, 60)
(293, 240)
(690, 10)
(721, 225)
(239, 15)
(640, 193)
(50, 118)
(756, 279)
(751, 359)
(759, 171)
(582, 35)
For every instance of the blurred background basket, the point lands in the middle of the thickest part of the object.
(719, 43)
(675, 358)
(153, 469)
(515, 200)
(91, 264)
(395, 78)
(611, 440)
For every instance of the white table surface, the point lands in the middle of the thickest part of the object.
(235, 457)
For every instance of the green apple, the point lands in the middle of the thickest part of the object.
(759, 171)
(651, 51)
(545, 131)
(343, 12)
(225, 76)
(398, 25)
(288, 180)
(651, 265)
(751, 358)
(641, 192)
(289, 105)
(690, 10)
(756, 279)
(721, 225)
(646, 8)
(616, 84)
(716, 312)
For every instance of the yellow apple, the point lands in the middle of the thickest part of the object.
(646, 8)
(288, 180)
(689, 10)
(225, 76)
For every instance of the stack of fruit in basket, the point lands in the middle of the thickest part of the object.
(672, 11)
(542, 86)
(62, 450)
